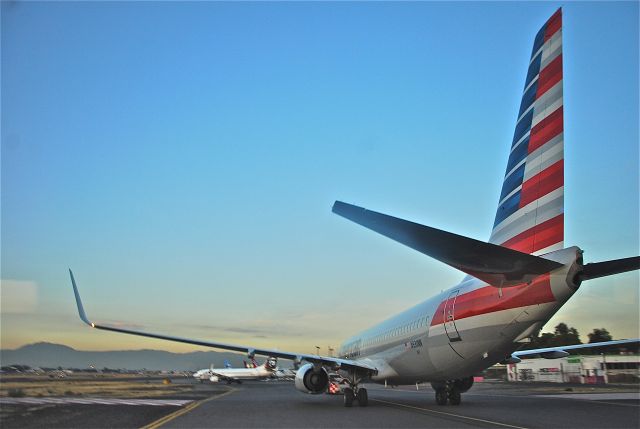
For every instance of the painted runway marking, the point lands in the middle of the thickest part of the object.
(95, 401)
(427, 410)
(166, 419)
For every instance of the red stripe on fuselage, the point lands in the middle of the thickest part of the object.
(539, 237)
(553, 24)
(546, 129)
(488, 300)
(549, 76)
(541, 184)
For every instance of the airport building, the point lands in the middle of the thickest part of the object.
(594, 369)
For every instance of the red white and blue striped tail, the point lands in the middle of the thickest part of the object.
(530, 216)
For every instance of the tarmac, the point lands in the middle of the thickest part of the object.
(271, 404)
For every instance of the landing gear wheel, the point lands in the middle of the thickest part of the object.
(441, 396)
(348, 397)
(455, 397)
(363, 397)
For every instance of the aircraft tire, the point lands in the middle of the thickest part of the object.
(455, 397)
(441, 396)
(363, 397)
(348, 397)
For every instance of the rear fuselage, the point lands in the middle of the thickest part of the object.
(464, 329)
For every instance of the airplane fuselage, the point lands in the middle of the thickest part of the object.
(242, 373)
(464, 329)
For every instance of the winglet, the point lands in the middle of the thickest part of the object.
(81, 312)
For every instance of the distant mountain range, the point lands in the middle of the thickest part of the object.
(51, 355)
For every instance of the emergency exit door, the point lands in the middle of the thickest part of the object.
(450, 317)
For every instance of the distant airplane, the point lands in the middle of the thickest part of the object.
(203, 374)
(251, 371)
(237, 375)
(516, 282)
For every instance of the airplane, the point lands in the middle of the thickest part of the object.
(237, 375)
(205, 374)
(514, 283)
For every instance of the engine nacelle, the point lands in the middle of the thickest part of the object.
(312, 380)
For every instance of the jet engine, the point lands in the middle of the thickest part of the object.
(312, 380)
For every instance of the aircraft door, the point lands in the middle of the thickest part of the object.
(449, 317)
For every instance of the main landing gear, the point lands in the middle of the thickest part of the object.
(360, 395)
(355, 393)
(444, 395)
(451, 391)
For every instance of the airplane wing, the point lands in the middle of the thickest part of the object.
(498, 266)
(561, 351)
(251, 351)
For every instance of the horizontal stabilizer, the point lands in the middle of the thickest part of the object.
(561, 351)
(496, 265)
(607, 268)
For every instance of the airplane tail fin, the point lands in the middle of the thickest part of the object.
(271, 363)
(530, 215)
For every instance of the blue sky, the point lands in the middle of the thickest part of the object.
(183, 158)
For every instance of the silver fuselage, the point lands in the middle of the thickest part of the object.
(464, 329)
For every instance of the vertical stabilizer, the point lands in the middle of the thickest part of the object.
(530, 216)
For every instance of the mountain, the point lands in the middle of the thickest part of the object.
(54, 355)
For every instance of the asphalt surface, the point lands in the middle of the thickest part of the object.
(277, 404)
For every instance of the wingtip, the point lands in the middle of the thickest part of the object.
(340, 207)
(81, 313)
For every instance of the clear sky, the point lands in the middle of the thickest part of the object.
(182, 159)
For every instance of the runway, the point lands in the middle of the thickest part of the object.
(276, 404)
